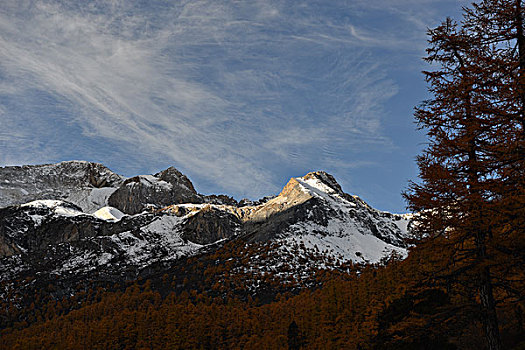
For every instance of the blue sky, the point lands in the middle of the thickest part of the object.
(238, 95)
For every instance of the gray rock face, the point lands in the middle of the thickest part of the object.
(22, 184)
(221, 199)
(210, 225)
(177, 179)
(33, 228)
(276, 223)
(145, 192)
(59, 240)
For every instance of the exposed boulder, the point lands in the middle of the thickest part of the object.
(144, 192)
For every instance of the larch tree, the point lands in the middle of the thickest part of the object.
(499, 25)
(471, 196)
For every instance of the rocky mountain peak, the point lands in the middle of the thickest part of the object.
(176, 178)
(322, 177)
(154, 191)
(299, 190)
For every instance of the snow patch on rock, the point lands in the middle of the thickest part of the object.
(108, 213)
(58, 207)
(91, 199)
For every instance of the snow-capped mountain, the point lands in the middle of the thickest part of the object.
(77, 220)
(314, 211)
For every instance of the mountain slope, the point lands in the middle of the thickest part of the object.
(156, 221)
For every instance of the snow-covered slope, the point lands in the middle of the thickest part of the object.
(157, 239)
(351, 229)
(55, 238)
(57, 207)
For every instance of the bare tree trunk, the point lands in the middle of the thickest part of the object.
(489, 316)
(488, 311)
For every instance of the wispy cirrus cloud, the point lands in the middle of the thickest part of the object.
(233, 93)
